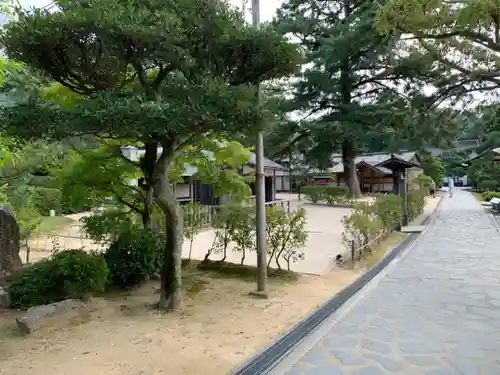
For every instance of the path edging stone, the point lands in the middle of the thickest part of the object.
(269, 357)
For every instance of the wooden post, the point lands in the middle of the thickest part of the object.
(353, 252)
(404, 196)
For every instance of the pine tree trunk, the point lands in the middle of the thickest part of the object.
(350, 175)
(171, 272)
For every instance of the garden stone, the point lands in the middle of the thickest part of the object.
(10, 260)
(69, 310)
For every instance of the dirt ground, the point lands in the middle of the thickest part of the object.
(220, 327)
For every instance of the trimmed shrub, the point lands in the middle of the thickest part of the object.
(335, 194)
(330, 194)
(313, 193)
(68, 274)
(134, 257)
(387, 208)
(416, 203)
(488, 195)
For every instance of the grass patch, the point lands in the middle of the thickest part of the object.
(478, 196)
(50, 224)
(248, 273)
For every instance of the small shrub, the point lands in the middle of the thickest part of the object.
(194, 218)
(108, 226)
(134, 257)
(335, 194)
(224, 222)
(243, 233)
(286, 235)
(68, 274)
(47, 199)
(488, 195)
(313, 193)
(416, 203)
(488, 185)
(387, 208)
(359, 228)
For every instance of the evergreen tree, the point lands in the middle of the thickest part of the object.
(355, 87)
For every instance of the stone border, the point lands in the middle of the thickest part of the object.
(269, 357)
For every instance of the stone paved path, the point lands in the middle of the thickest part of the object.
(436, 312)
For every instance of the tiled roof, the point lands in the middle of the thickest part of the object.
(372, 159)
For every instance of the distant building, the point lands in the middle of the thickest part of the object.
(371, 176)
(194, 190)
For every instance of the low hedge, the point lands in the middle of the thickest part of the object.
(329, 194)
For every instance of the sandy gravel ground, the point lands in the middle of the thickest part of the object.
(219, 328)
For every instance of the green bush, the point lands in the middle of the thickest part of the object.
(416, 203)
(335, 194)
(387, 208)
(134, 257)
(47, 199)
(68, 274)
(488, 185)
(313, 193)
(488, 195)
(330, 194)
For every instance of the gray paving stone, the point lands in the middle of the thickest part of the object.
(436, 312)
(419, 347)
(421, 360)
(347, 358)
(324, 370)
(387, 363)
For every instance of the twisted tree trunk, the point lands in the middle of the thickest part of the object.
(171, 273)
(350, 174)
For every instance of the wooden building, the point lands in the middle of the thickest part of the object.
(372, 177)
(193, 190)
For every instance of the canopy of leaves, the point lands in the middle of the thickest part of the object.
(459, 38)
(188, 68)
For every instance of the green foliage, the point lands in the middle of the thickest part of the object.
(371, 220)
(336, 194)
(359, 228)
(433, 167)
(484, 174)
(488, 195)
(47, 199)
(134, 257)
(108, 226)
(330, 194)
(243, 235)
(225, 227)
(449, 36)
(313, 193)
(387, 208)
(415, 203)
(68, 274)
(195, 217)
(286, 235)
